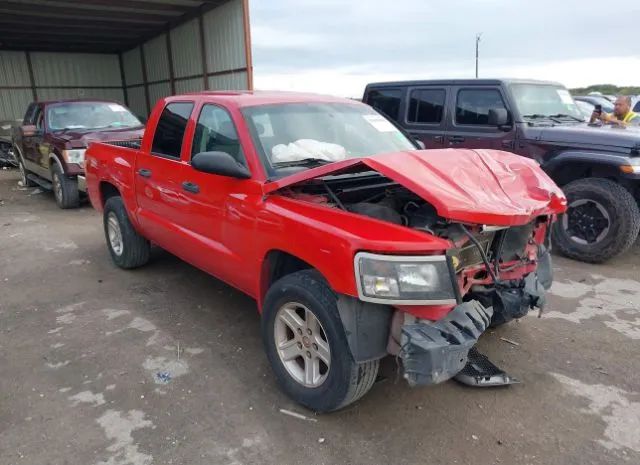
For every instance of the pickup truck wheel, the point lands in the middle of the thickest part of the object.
(26, 182)
(602, 221)
(65, 189)
(128, 249)
(307, 347)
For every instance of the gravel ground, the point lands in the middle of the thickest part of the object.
(164, 365)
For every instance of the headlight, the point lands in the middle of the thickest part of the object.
(74, 155)
(394, 279)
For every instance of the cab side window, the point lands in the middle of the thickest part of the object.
(167, 141)
(473, 105)
(38, 117)
(215, 132)
(426, 106)
(386, 101)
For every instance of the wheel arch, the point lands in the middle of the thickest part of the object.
(107, 190)
(276, 264)
(571, 165)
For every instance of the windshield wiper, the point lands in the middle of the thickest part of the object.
(535, 116)
(562, 115)
(310, 162)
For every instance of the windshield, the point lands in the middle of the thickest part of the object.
(89, 115)
(538, 101)
(309, 134)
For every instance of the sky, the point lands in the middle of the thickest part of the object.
(338, 46)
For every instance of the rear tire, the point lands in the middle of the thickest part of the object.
(65, 189)
(128, 249)
(26, 182)
(345, 380)
(603, 221)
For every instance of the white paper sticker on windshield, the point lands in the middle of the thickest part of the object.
(117, 108)
(565, 96)
(378, 122)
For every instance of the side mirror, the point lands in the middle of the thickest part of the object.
(220, 163)
(420, 144)
(498, 117)
(29, 130)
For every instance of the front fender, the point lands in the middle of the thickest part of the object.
(572, 164)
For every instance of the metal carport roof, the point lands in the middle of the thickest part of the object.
(102, 26)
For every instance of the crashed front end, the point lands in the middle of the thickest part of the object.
(493, 277)
(493, 210)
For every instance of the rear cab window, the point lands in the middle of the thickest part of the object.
(473, 105)
(169, 135)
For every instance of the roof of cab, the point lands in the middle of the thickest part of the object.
(248, 98)
(75, 100)
(460, 82)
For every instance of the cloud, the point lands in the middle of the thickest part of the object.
(336, 46)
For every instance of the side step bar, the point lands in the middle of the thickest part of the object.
(40, 181)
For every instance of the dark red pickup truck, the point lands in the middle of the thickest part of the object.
(354, 243)
(51, 142)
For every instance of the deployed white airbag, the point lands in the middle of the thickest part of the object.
(307, 148)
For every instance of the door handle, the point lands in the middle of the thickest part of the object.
(145, 173)
(456, 139)
(507, 144)
(190, 187)
(439, 139)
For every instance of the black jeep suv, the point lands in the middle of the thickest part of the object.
(597, 167)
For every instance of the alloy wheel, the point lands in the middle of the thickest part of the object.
(586, 221)
(302, 344)
(115, 234)
(57, 187)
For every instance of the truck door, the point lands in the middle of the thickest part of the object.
(469, 126)
(218, 213)
(424, 118)
(32, 146)
(158, 179)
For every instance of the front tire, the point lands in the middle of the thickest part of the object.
(128, 249)
(65, 189)
(602, 221)
(307, 347)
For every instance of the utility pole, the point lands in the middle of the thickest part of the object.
(478, 35)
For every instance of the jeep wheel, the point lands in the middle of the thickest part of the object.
(601, 222)
(307, 347)
(65, 189)
(26, 182)
(128, 249)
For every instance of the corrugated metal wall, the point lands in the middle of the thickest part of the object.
(149, 72)
(56, 76)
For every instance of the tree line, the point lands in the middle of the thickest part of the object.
(607, 89)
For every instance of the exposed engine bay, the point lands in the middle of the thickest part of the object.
(493, 265)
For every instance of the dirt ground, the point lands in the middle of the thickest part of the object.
(164, 365)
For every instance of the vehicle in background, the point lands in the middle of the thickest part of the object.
(586, 108)
(608, 97)
(354, 244)
(7, 157)
(52, 140)
(606, 105)
(598, 167)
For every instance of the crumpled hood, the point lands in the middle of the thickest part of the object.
(581, 135)
(471, 186)
(83, 138)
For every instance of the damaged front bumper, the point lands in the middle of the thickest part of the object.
(433, 352)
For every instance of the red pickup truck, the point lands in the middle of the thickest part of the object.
(355, 243)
